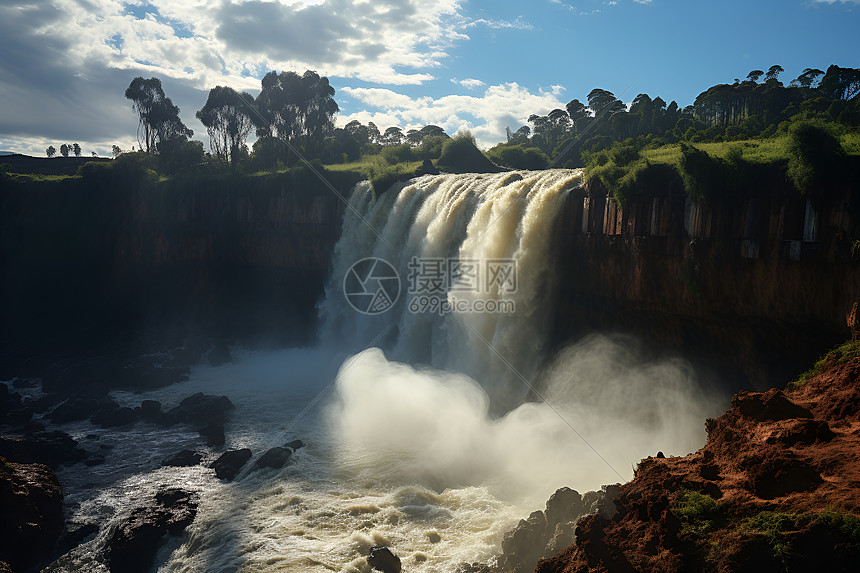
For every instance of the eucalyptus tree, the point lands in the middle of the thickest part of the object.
(228, 118)
(51, 151)
(298, 110)
(158, 117)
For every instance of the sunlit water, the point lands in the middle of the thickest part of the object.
(427, 447)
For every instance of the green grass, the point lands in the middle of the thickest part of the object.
(842, 353)
(773, 525)
(35, 177)
(375, 168)
(698, 512)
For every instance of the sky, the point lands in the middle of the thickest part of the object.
(481, 65)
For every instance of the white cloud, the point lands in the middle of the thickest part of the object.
(486, 116)
(469, 83)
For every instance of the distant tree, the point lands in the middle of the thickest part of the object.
(578, 113)
(840, 83)
(604, 102)
(393, 136)
(227, 117)
(94, 154)
(158, 118)
(773, 73)
(521, 135)
(373, 134)
(359, 132)
(806, 78)
(116, 150)
(299, 110)
(76, 149)
(754, 75)
(51, 151)
(416, 136)
(64, 150)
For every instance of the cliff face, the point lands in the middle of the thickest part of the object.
(756, 287)
(774, 488)
(232, 255)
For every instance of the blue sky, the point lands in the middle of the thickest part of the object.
(476, 64)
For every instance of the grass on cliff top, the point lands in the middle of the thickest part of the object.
(378, 170)
(840, 354)
(770, 150)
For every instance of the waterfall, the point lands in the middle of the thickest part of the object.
(487, 240)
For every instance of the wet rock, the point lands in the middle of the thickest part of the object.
(200, 409)
(72, 537)
(114, 417)
(133, 543)
(26, 383)
(229, 463)
(150, 410)
(42, 404)
(382, 559)
(294, 445)
(185, 458)
(523, 546)
(275, 457)
(563, 506)
(49, 448)
(434, 537)
(75, 409)
(32, 507)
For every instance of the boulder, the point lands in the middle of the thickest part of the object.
(49, 448)
(563, 506)
(32, 507)
(214, 434)
(185, 458)
(150, 410)
(114, 417)
(382, 559)
(75, 409)
(275, 457)
(134, 542)
(294, 445)
(201, 410)
(229, 463)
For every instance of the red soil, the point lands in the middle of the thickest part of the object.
(796, 452)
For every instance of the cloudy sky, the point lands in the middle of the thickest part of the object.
(480, 65)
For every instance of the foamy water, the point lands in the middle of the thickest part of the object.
(417, 432)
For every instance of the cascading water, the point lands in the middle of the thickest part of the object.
(421, 439)
(452, 218)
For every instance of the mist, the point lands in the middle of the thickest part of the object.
(604, 407)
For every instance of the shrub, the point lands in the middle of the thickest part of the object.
(698, 512)
(842, 353)
(815, 155)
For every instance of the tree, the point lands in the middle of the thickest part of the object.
(227, 117)
(840, 83)
(158, 118)
(773, 73)
(51, 151)
(579, 116)
(299, 110)
(373, 135)
(76, 149)
(603, 101)
(116, 150)
(359, 132)
(754, 75)
(393, 136)
(94, 154)
(64, 150)
(806, 78)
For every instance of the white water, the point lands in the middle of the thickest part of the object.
(402, 444)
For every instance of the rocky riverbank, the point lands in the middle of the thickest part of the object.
(775, 488)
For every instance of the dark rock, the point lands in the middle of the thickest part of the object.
(114, 417)
(661, 455)
(214, 434)
(32, 508)
(434, 537)
(770, 406)
(523, 546)
(802, 431)
(133, 543)
(275, 457)
(42, 404)
(201, 409)
(382, 559)
(95, 460)
(49, 448)
(185, 458)
(229, 463)
(71, 538)
(75, 409)
(562, 537)
(294, 445)
(563, 506)
(150, 410)
(220, 354)
(780, 475)
(26, 383)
